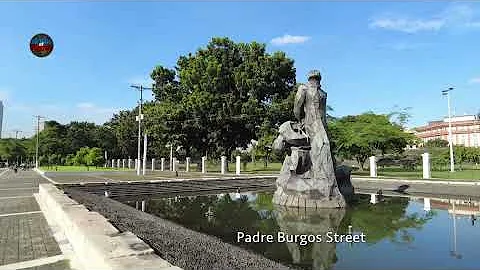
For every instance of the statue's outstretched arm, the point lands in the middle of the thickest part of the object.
(299, 103)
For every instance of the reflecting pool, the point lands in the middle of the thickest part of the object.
(400, 232)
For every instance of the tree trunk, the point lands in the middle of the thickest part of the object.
(360, 162)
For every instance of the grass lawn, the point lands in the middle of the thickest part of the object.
(274, 168)
(251, 168)
(80, 169)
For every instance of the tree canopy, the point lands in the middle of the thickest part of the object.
(217, 98)
(361, 136)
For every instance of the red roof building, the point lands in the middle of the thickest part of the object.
(465, 130)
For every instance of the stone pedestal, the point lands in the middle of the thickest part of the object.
(297, 187)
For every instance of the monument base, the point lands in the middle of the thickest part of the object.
(305, 201)
(297, 188)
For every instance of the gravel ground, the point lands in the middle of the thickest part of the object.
(178, 245)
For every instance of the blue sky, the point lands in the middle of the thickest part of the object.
(373, 55)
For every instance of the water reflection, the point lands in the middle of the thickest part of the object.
(393, 225)
(316, 255)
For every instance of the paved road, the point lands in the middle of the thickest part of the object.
(26, 241)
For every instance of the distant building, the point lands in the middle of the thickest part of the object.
(465, 130)
(1, 118)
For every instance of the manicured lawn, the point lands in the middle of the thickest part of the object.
(274, 168)
(250, 168)
(78, 169)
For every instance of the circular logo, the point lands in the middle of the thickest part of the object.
(41, 45)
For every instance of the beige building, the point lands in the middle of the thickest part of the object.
(465, 130)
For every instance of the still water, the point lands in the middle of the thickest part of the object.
(400, 232)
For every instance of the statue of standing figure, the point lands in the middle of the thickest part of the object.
(308, 177)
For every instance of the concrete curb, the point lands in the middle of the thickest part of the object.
(272, 177)
(95, 241)
(434, 182)
(42, 174)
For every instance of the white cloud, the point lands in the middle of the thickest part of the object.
(475, 80)
(407, 25)
(289, 39)
(85, 105)
(454, 16)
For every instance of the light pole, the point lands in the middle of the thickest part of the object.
(38, 139)
(139, 118)
(453, 252)
(450, 143)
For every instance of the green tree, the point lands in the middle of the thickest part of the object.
(124, 127)
(94, 157)
(436, 143)
(80, 134)
(53, 139)
(12, 150)
(216, 98)
(81, 157)
(361, 136)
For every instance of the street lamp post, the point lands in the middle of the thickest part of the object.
(450, 143)
(139, 119)
(38, 139)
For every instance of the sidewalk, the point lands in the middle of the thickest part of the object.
(26, 240)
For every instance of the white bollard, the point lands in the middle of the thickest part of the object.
(143, 206)
(373, 166)
(123, 163)
(174, 164)
(129, 163)
(426, 166)
(204, 165)
(237, 167)
(118, 163)
(426, 204)
(373, 198)
(223, 164)
(162, 164)
(113, 163)
(187, 165)
(153, 164)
